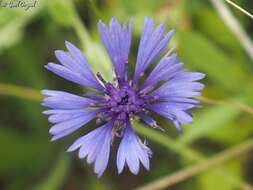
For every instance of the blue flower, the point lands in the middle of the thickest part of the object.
(168, 91)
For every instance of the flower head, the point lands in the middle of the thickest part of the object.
(116, 104)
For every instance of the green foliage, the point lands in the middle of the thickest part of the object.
(21, 152)
(209, 180)
(55, 179)
(197, 51)
(13, 23)
(62, 12)
(219, 115)
(27, 41)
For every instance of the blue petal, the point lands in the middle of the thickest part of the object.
(96, 146)
(74, 67)
(58, 116)
(181, 103)
(65, 100)
(82, 140)
(132, 151)
(148, 119)
(102, 161)
(153, 42)
(175, 112)
(121, 157)
(64, 133)
(176, 95)
(66, 73)
(178, 88)
(85, 69)
(117, 41)
(189, 76)
(73, 122)
(68, 61)
(164, 70)
(133, 160)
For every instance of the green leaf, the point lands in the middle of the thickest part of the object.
(210, 180)
(198, 51)
(13, 22)
(207, 20)
(99, 60)
(18, 152)
(56, 177)
(18, 59)
(211, 120)
(61, 11)
(228, 134)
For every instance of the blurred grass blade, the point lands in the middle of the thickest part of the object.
(231, 21)
(20, 92)
(205, 21)
(240, 8)
(235, 103)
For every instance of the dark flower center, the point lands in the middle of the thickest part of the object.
(123, 99)
(122, 102)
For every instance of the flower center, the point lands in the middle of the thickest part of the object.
(122, 102)
(123, 99)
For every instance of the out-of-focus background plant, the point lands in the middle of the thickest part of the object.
(215, 152)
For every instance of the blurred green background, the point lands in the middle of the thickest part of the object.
(28, 160)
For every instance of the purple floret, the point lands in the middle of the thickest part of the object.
(167, 91)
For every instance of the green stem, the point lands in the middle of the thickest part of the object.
(80, 28)
(93, 7)
(240, 8)
(21, 92)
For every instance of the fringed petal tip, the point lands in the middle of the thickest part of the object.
(74, 67)
(47, 66)
(68, 44)
(201, 75)
(154, 40)
(95, 147)
(132, 152)
(117, 41)
(53, 139)
(43, 92)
